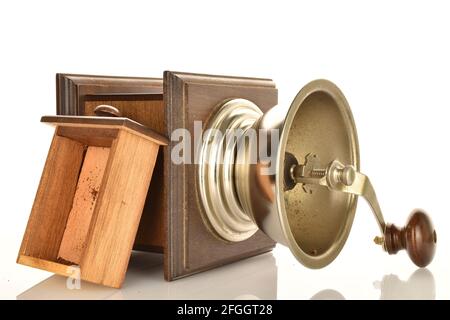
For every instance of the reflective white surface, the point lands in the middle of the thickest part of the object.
(253, 278)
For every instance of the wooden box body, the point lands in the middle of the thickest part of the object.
(171, 221)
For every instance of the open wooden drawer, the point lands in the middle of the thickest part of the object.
(90, 197)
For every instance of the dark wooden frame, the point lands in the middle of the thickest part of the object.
(189, 97)
(73, 89)
(188, 247)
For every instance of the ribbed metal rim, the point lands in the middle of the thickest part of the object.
(215, 174)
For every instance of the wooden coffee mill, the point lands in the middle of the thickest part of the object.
(110, 184)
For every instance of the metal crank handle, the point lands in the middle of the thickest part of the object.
(418, 236)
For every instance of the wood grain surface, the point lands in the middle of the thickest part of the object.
(53, 200)
(119, 208)
(74, 239)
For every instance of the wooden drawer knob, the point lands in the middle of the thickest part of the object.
(105, 110)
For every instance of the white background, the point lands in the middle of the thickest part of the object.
(390, 58)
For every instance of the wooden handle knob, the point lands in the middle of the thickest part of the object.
(418, 237)
(105, 110)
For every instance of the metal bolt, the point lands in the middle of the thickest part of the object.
(318, 173)
(379, 240)
(346, 175)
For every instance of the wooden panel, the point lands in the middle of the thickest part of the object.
(74, 240)
(53, 199)
(151, 236)
(119, 208)
(72, 90)
(99, 137)
(147, 110)
(139, 99)
(83, 126)
(46, 265)
(190, 246)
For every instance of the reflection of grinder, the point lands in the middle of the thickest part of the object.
(419, 286)
(309, 200)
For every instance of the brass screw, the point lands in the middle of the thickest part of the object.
(345, 175)
(318, 173)
(379, 240)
